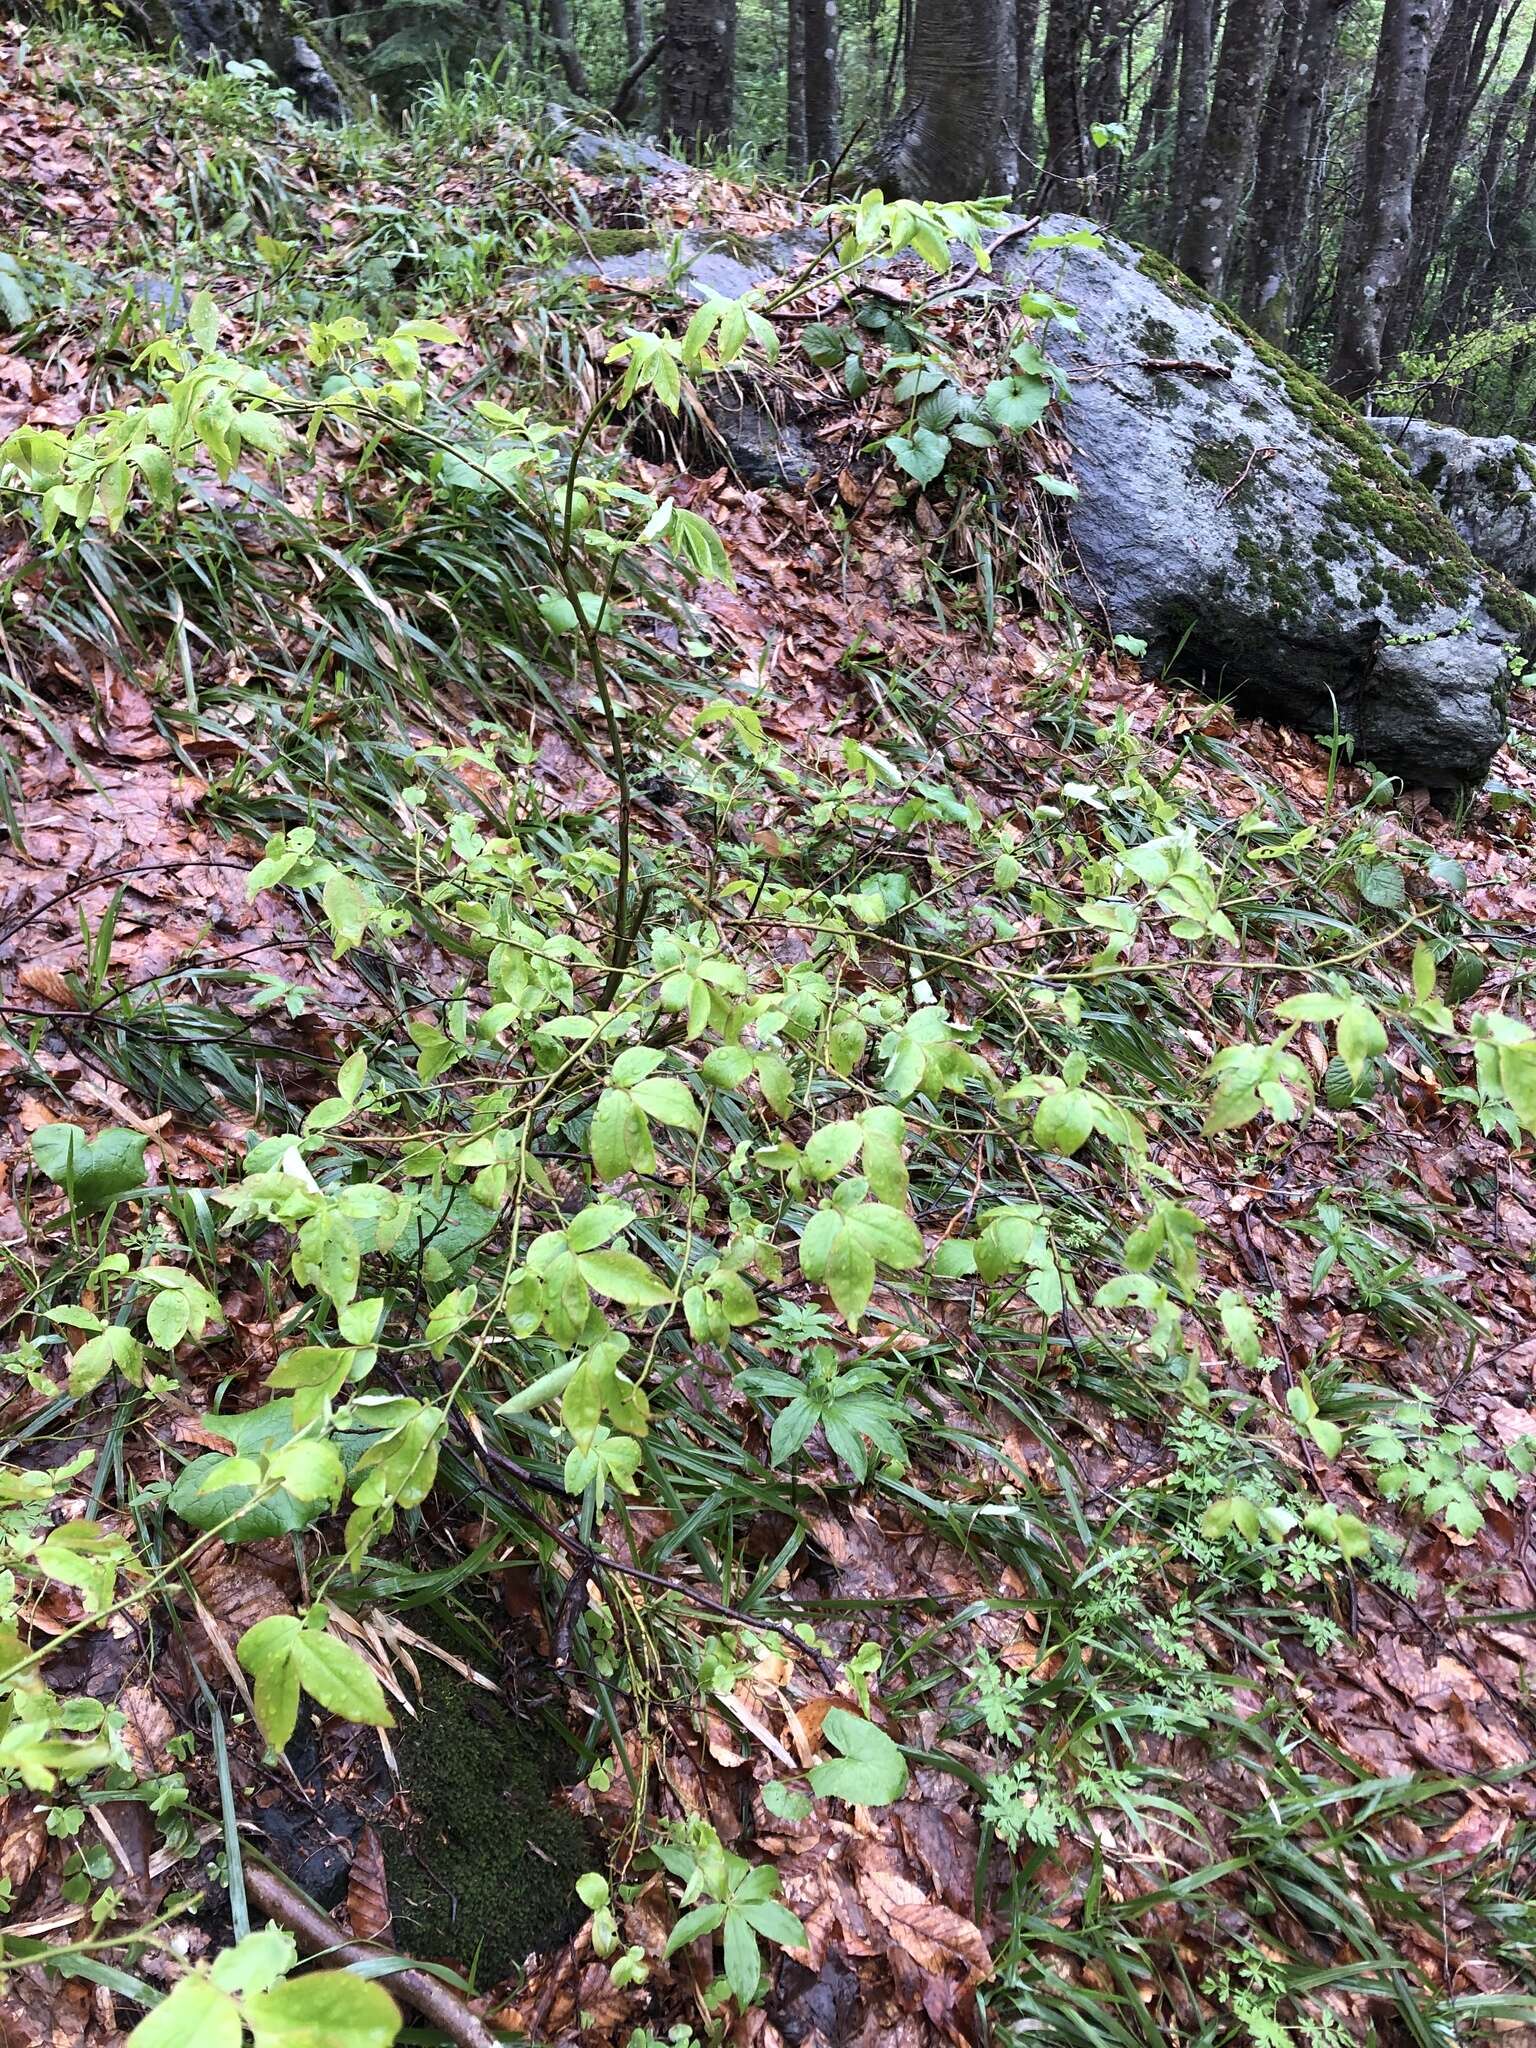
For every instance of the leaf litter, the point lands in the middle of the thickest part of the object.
(1090, 1788)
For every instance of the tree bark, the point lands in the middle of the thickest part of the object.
(697, 72)
(635, 43)
(1457, 80)
(1378, 261)
(1157, 106)
(943, 141)
(562, 34)
(1287, 142)
(1231, 137)
(1065, 171)
(822, 106)
(1027, 29)
(795, 151)
(1474, 239)
(1197, 32)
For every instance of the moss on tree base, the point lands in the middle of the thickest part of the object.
(483, 1870)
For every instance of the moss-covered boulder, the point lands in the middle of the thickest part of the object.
(1253, 530)
(1484, 483)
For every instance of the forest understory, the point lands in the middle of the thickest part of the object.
(741, 1298)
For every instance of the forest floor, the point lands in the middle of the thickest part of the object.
(1148, 1506)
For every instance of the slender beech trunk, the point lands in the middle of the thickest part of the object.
(697, 71)
(1379, 259)
(1474, 239)
(822, 107)
(1197, 31)
(635, 44)
(1287, 161)
(1157, 107)
(562, 34)
(1027, 29)
(1065, 172)
(796, 152)
(1231, 137)
(1458, 76)
(943, 142)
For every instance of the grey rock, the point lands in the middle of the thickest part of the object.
(1485, 485)
(264, 32)
(760, 439)
(1242, 521)
(622, 154)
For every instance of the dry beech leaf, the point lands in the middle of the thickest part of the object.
(47, 982)
(368, 1911)
(23, 1838)
(147, 1728)
(931, 1934)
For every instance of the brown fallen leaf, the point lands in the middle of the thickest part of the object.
(932, 1935)
(147, 1728)
(368, 1909)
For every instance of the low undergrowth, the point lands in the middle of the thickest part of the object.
(925, 1232)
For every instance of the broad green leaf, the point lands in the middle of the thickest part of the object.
(327, 2009)
(1064, 1122)
(871, 1770)
(196, 2015)
(93, 1171)
(621, 1277)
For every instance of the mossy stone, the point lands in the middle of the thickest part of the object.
(1224, 462)
(484, 1869)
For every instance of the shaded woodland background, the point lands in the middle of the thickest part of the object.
(1355, 176)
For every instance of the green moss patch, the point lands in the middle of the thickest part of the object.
(484, 1869)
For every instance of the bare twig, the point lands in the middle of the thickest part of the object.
(633, 76)
(1258, 455)
(316, 1931)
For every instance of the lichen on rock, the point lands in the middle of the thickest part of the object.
(1240, 518)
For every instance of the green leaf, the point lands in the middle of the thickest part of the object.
(93, 1172)
(670, 1101)
(786, 1801)
(621, 1277)
(871, 1770)
(333, 1673)
(743, 1959)
(265, 1651)
(619, 1136)
(850, 1274)
(327, 2009)
(1361, 1037)
(830, 1149)
(1064, 1122)
(1381, 882)
(1017, 402)
(255, 1962)
(196, 2015)
(922, 454)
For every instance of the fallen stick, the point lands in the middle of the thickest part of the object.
(314, 1930)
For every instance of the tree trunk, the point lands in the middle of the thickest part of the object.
(1231, 136)
(1197, 32)
(697, 71)
(562, 34)
(795, 151)
(943, 141)
(1157, 106)
(1065, 172)
(635, 45)
(821, 96)
(1028, 27)
(1286, 160)
(1475, 234)
(1457, 79)
(1006, 176)
(1410, 30)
